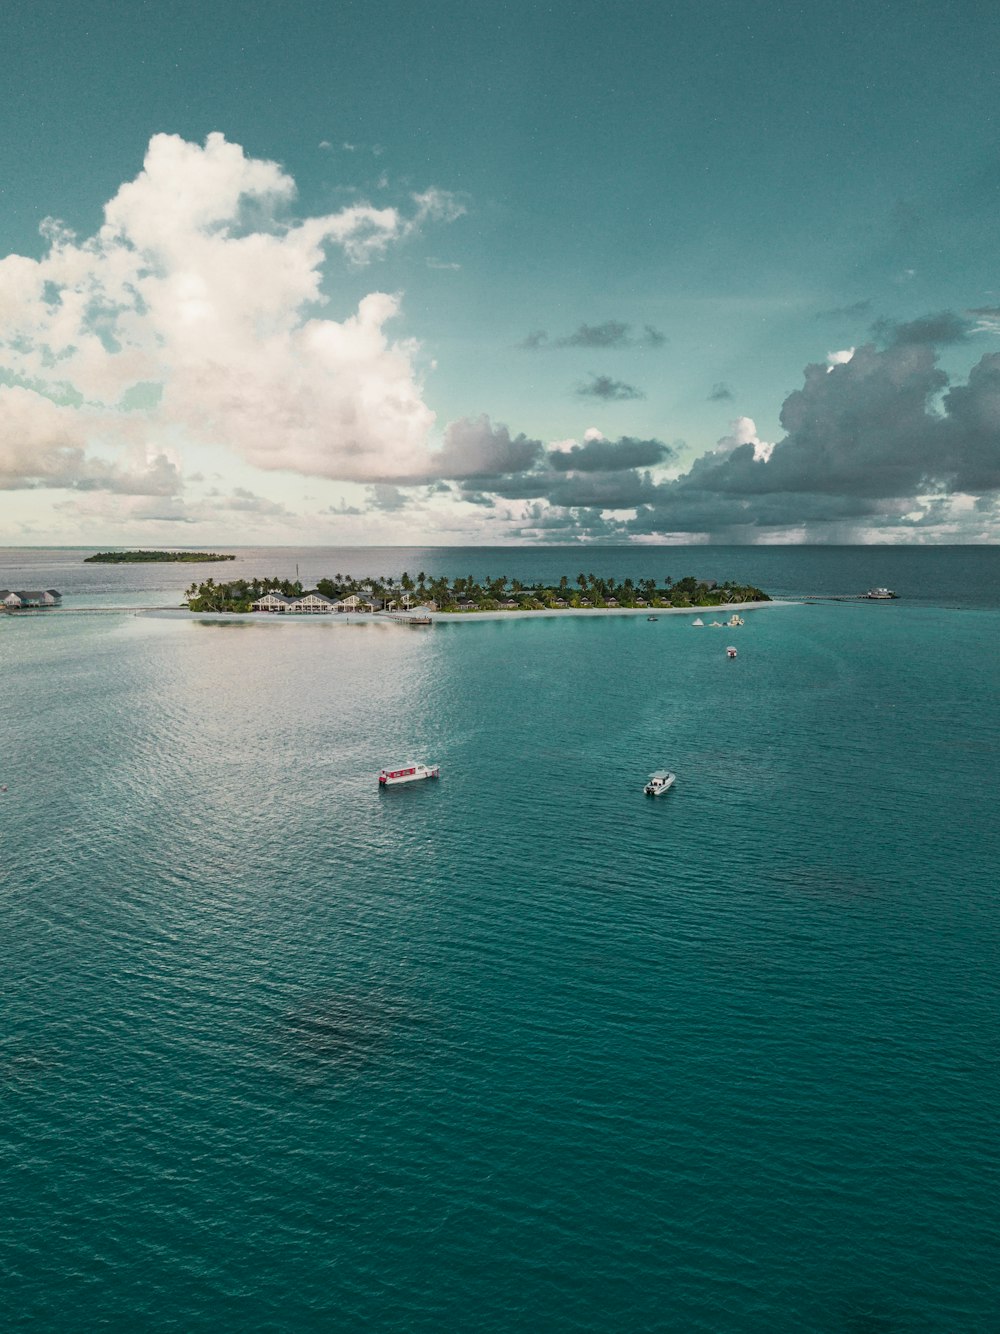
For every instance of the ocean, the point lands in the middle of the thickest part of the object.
(520, 1049)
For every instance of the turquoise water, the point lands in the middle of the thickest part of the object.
(521, 1049)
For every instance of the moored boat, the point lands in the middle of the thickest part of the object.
(730, 652)
(407, 773)
(660, 781)
(880, 594)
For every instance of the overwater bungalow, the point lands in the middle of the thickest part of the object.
(36, 597)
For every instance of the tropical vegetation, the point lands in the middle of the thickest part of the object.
(153, 557)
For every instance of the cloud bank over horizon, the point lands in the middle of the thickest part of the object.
(197, 319)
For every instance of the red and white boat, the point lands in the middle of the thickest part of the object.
(407, 773)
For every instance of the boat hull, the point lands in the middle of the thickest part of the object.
(411, 774)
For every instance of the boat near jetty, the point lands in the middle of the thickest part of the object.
(660, 781)
(407, 773)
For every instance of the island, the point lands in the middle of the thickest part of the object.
(588, 592)
(153, 557)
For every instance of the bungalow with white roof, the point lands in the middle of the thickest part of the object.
(273, 602)
(312, 602)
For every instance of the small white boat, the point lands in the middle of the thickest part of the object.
(407, 773)
(730, 652)
(735, 620)
(660, 781)
(697, 621)
(880, 594)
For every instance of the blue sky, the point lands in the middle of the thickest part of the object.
(371, 272)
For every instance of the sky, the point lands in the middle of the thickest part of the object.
(337, 273)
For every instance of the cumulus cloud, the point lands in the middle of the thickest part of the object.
(744, 432)
(609, 389)
(598, 454)
(839, 358)
(610, 334)
(44, 444)
(861, 443)
(474, 447)
(941, 328)
(388, 498)
(875, 444)
(194, 314)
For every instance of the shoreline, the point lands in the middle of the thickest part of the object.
(445, 617)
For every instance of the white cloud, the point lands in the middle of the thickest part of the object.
(840, 358)
(744, 432)
(201, 298)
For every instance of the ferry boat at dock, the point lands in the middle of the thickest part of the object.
(407, 773)
(660, 781)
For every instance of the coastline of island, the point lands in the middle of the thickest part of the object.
(466, 596)
(449, 617)
(155, 558)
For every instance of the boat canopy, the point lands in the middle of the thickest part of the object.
(660, 773)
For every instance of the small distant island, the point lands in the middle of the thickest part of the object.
(153, 557)
(342, 593)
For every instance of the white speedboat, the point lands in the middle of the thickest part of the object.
(660, 781)
(407, 773)
(880, 594)
(731, 651)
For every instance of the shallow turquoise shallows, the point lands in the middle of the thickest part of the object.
(520, 1049)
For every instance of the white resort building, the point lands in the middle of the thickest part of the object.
(313, 604)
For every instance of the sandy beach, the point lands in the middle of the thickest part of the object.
(449, 617)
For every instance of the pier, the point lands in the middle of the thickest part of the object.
(847, 597)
